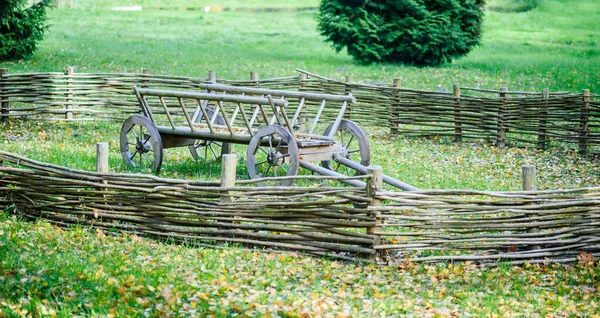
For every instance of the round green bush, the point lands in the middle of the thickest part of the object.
(21, 27)
(414, 32)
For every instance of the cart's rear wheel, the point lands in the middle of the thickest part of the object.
(355, 146)
(207, 149)
(141, 144)
(273, 152)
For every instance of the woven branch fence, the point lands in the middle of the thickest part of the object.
(341, 222)
(539, 119)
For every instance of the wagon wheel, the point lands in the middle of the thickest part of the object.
(141, 144)
(355, 146)
(206, 148)
(273, 152)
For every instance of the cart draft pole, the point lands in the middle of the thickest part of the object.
(4, 110)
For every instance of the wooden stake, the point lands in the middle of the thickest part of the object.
(4, 107)
(529, 178)
(69, 74)
(228, 174)
(302, 82)
(501, 138)
(212, 76)
(102, 157)
(144, 78)
(347, 91)
(584, 122)
(395, 105)
(457, 116)
(543, 120)
(375, 184)
(254, 78)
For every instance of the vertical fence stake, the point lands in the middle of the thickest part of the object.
(69, 74)
(501, 138)
(375, 184)
(302, 82)
(457, 116)
(254, 78)
(584, 122)
(529, 180)
(102, 157)
(541, 144)
(144, 78)
(228, 173)
(102, 166)
(347, 91)
(212, 77)
(395, 105)
(4, 107)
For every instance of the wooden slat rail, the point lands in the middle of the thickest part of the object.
(276, 93)
(210, 96)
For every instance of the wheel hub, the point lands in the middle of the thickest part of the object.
(140, 146)
(272, 158)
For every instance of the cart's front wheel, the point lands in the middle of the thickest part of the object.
(141, 144)
(355, 146)
(207, 149)
(273, 152)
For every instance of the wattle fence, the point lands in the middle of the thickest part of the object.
(340, 222)
(347, 223)
(502, 117)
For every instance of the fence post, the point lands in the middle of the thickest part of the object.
(254, 78)
(212, 77)
(375, 184)
(347, 91)
(501, 138)
(541, 144)
(584, 122)
(102, 157)
(228, 173)
(529, 180)
(102, 166)
(144, 79)
(4, 107)
(395, 111)
(457, 116)
(69, 75)
(302, 82)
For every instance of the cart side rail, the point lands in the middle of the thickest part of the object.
(213, 112)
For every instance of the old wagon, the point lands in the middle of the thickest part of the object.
(278, 145)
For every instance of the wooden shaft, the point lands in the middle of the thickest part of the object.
(457, 115)
(4, 106)
(501, 138)
(228, 174)
(102, 157)
(374, 185)
(541, 144)
(584, 122)
(69, 74)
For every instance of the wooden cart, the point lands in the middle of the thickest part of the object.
(278, 145)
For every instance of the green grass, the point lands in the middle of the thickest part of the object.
(45, 271)
(555, 46)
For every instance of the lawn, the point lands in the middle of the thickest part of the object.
(48, 271)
